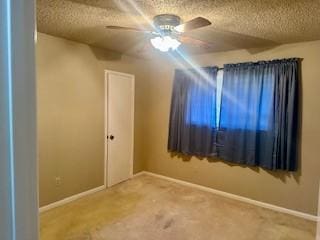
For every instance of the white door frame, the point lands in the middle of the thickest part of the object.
(106, 175)
(18, 156)
(318, 222)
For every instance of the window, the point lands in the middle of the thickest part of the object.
(246, 102)
(219, 92)
(253, 105)
(192, 127)
(203, 108)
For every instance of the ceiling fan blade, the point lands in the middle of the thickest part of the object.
(195, 42)
(195, 23)
(128, 29)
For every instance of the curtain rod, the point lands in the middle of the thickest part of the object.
(219, 69)
(286, 59)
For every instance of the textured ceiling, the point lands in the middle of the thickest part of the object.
(235, 23)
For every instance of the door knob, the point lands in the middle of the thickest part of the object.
(111, 137)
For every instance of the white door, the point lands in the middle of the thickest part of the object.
(119, 126)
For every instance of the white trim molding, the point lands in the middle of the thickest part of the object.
(193, 185)
(318, 223)
(71, 199)
(235, 197)
(139, 174)
(18, 148)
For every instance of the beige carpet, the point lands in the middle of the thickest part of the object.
(148, 208)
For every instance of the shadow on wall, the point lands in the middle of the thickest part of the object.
(106, 55)
(282, 175)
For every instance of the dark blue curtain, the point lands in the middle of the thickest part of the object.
(192, 128)
(259, 114)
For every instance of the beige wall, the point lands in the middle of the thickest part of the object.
(298, 191)
(70, 124)
(70, 92)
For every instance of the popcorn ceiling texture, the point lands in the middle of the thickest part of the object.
(236, 24)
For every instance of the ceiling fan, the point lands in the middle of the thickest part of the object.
(167, 33)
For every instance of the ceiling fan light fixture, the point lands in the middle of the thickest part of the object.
(165, 43)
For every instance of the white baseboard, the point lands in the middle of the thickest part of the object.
(70, 199)
(139, 174)
(236, 197)
(203, 188)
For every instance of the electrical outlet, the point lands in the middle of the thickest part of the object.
(58, 181)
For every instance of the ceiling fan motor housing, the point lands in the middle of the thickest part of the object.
(165, 23)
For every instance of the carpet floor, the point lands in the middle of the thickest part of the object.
(148, 208)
